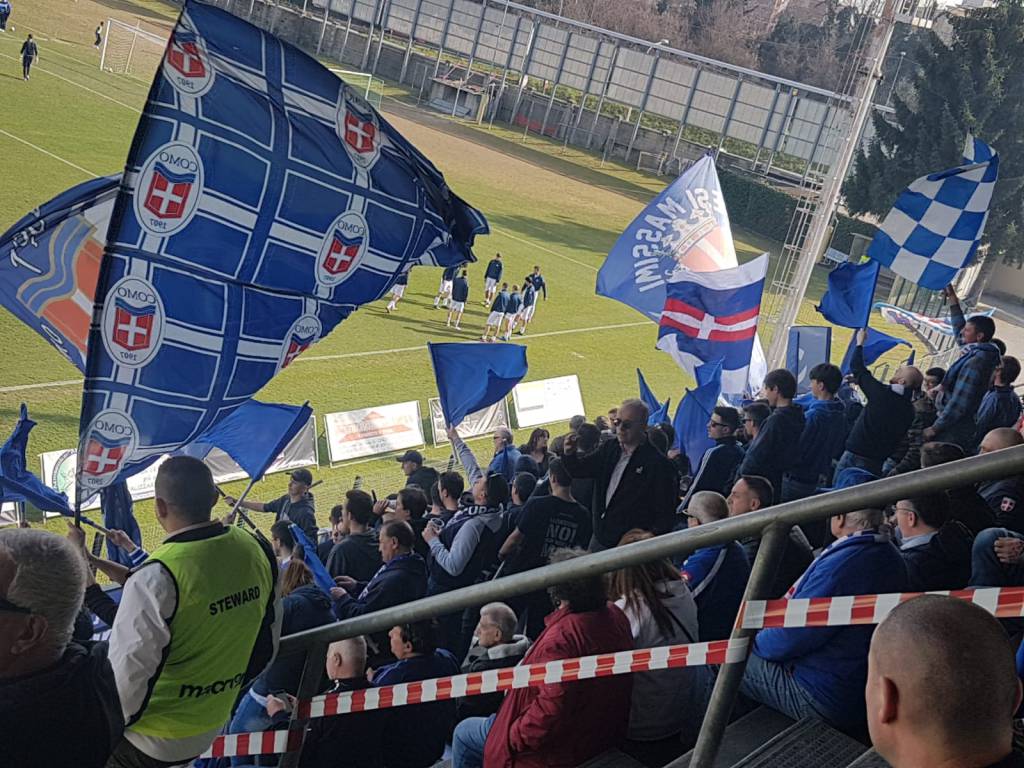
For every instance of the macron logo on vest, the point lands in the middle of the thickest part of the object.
(234, 600)
(196, 691)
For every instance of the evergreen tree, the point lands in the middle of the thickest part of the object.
(975, 83)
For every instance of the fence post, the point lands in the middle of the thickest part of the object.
(323, 27)
(309, 686)
(727, 684)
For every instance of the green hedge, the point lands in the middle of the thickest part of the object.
(765, 211)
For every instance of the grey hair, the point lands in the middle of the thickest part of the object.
(708, 506)
(505, 434)
(49, 579)
(352, 650)
(503, 616)
(638, 405)
(863, 519)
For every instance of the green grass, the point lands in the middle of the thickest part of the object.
(560, 211)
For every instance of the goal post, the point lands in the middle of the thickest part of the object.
(131, 50)
(364, 82)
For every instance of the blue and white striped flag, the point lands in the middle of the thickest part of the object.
(934, 228)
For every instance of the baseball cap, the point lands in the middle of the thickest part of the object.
(303, 476)
(414, 456)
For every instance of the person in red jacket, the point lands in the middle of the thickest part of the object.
(558, 725)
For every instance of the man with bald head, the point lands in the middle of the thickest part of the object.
(942, 687)
(635, 485)
(1005, 497)
(885, 419)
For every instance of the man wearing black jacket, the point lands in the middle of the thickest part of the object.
(775, 449)
(635, 486)
(402, 578)
(718, 464)
(885, 419)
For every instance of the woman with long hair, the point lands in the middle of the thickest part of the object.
(667, 705)
(537, 449)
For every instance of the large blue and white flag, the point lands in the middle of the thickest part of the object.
(684, 227)
(918, 322)
(935, 225)
(713, 316)
(263, 201)
(50, 261)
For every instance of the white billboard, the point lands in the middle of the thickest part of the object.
(371, 431)
(479, 423)
(547, 400)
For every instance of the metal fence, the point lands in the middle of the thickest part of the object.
(772, 524)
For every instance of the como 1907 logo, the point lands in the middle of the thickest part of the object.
(187, 64)
(133, 322)
(168, 188)
(342, 249)
(358, 128)
(304, 333)
(109, 441)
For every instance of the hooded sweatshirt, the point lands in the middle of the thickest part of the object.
(303, 608)
(775, 449)
(821, 441)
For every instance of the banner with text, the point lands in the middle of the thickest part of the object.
(58, 467)
(370, 431)
(547, 400)
(475, 424)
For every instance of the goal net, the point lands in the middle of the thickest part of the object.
(131, 51)
(364, 84)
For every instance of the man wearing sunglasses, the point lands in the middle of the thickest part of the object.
(718, 464)
(58, 700)
(635, 485)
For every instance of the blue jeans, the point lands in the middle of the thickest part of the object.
(250, 716)
(986, 569)
(468, 742)
(769, 683)
(850, 459)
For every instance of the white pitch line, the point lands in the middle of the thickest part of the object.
(37, 68)
(348, 355)
(44, 385)
(47, 152)
(532, 244)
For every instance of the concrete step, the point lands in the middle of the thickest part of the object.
(743, 736)
(809, 743)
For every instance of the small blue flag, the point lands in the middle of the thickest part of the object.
(876, 345)
(851, 290)
(116, 503)
(659, 416)
(657, 410)
(50, 261)
(910, 360)
(473, 376)
(254, 435)
(320, 575)
(694, 412)
(16, 482)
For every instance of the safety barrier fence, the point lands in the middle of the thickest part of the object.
(772, 525)
(847, 610)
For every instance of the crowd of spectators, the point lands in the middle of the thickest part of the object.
(192, 647)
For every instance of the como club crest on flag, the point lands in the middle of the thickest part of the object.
(358, 129)
(168, 193)
(187, 65)
(342, 249)
(342, 253)
(133, 326)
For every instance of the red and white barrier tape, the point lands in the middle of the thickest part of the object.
(490, 681)
(1001, 602)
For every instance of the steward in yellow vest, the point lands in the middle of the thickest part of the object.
(197, 622)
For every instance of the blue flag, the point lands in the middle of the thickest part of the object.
(876, 345)
(254, 435)
(713, 316)
(116, 503)
(320, 575)
(694, 412)
(657, 410)
(686, 226)
(936, 224)
(851, 291)
(473, 376)
(263, 201)
(50, 261)
(16, 482)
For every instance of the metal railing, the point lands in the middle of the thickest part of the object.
(771, 524)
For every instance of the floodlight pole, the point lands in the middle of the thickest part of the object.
(814, 243)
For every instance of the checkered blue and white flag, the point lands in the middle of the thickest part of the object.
(934, 228)
(263, 201)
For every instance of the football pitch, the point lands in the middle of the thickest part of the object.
(71, 121)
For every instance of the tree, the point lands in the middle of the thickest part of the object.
(975, 84)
